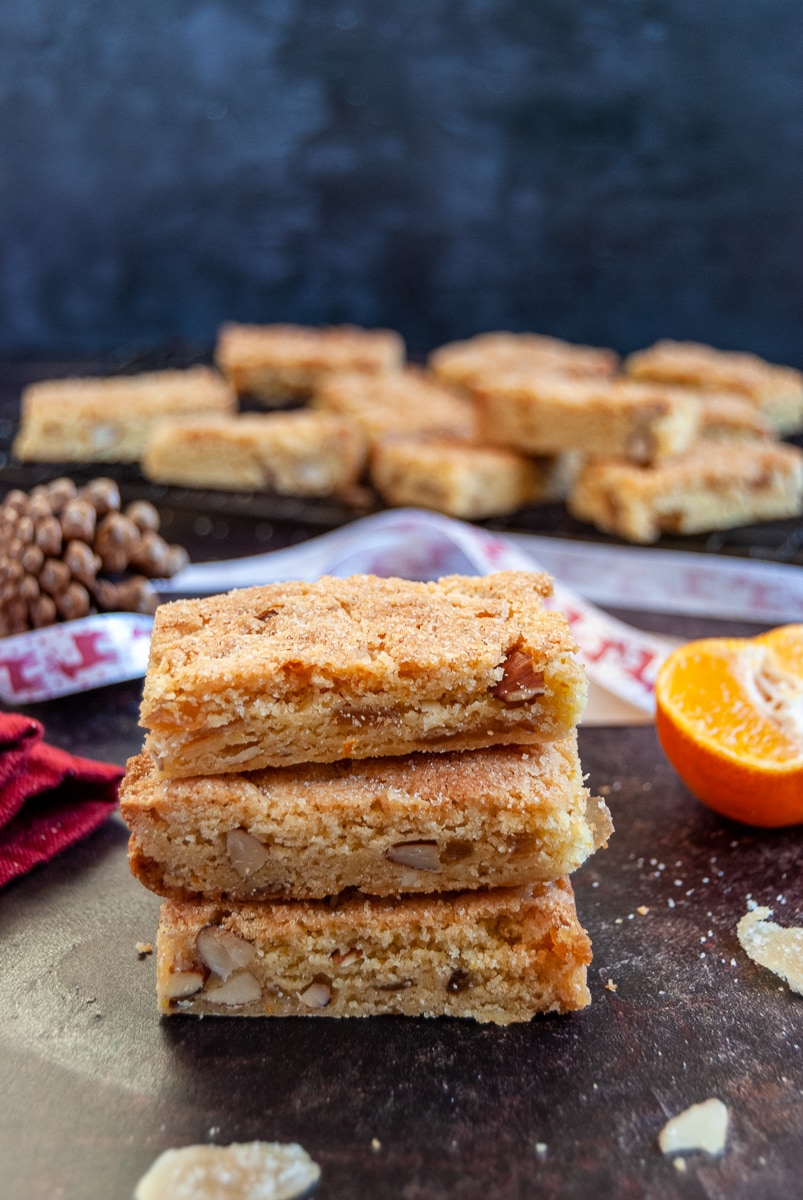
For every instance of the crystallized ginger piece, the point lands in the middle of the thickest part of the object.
(241, 1171)
(701, 1127)
(771, 946)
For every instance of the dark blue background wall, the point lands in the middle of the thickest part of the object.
(606, 172)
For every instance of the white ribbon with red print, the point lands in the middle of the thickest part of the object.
(420, 545)
(78, 655)
(75, 656)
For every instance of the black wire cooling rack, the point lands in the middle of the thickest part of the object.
(278, 520)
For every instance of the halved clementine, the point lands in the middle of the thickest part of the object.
(729, 715)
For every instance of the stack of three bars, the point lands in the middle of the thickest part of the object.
(363, 796)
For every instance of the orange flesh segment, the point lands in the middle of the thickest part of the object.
(713, 695)
(729, 716)
(786, 644)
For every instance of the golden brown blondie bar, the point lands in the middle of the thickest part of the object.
(776, 390)
(726, 415)
(399, 402)
(487, 354)
(542, 414)
(357, 668)
(280, 363)
(499, 956)
(717, 485)
(111, 419)
(294, 453)
(464, 479)
(499, 817)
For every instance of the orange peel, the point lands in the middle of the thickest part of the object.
(729, 716)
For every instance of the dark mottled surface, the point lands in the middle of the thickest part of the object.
(606, 172)
(96, 1085)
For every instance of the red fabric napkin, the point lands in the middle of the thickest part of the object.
(49, 799)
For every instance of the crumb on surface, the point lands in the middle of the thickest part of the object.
(642, 910)
(144, 948)
(610, 986)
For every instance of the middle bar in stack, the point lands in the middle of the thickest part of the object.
(307, 740)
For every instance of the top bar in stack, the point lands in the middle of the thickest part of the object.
(357, 668)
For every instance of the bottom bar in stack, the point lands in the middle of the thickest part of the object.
(498, 956)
